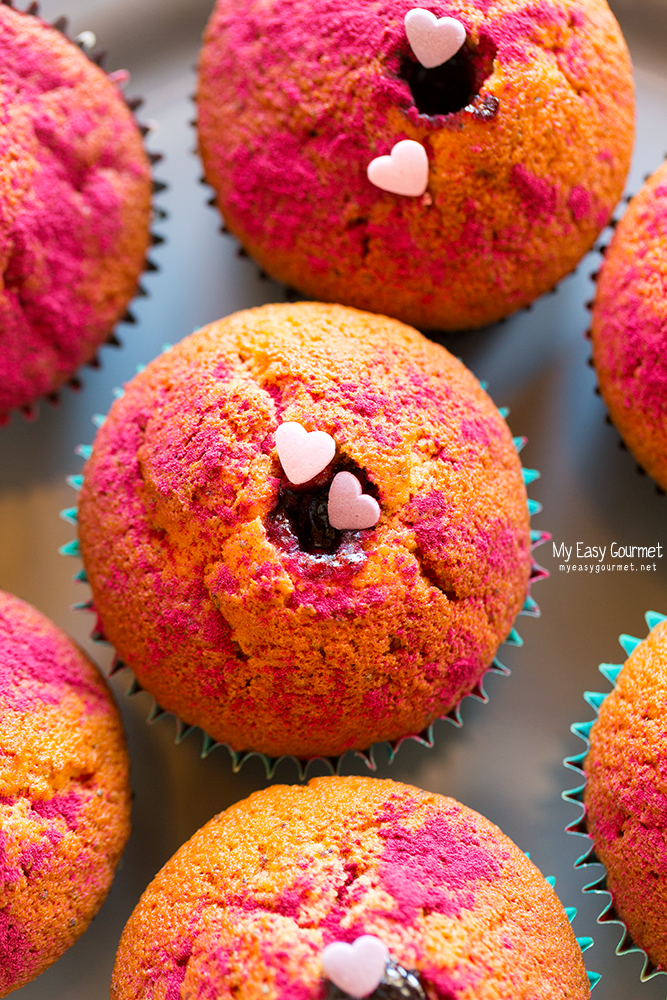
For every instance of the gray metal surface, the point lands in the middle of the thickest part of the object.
(506, 761)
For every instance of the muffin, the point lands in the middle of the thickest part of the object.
(246, 907)
(624, 795)
(64, 794)
(75, 201)
(225, 586)
(629, 328)
(518, 147)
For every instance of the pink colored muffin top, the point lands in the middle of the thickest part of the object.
(629, 328)
(226, 590)
(246, 906)
(528, 132)
(625, 795)
(64, 794)
(75, 192)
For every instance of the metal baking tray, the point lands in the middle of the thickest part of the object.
(506, 761)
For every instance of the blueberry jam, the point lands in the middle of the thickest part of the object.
(452, 86)
(397, 984)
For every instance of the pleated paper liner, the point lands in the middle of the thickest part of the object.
(595, 699)
(87, 42)
(425, 738)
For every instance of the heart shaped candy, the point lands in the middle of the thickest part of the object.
(404, 171)
(303, 454)
(433, 40)
(348, 508)
(356, 968)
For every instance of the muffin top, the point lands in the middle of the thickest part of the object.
(75, 190)
(626, 807)
(64, 792)
(528, 132)
(629, 327)
(246, 906)
(224, 586)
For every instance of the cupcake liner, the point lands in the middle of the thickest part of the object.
(87, 42)
(425, 737)
(578, 827)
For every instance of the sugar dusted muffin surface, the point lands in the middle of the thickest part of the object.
(528, 133)
(224, 587)
(64, 793)
(629, 327)
(625, 805)
(246, 906)
(75, 191)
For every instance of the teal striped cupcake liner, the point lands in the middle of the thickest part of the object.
(334, 764)
(578, 827)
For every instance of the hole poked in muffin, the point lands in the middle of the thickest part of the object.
(397, 983)
(305, 511)
(452, 86)
(301, 514)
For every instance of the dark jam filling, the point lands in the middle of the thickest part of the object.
(452, 86)
(397, 984)
(306, 513)
(301, 514)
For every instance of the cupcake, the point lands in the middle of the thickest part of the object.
(305, 528)
(75, 201)
(349, 887)
(64, 794)
(443, 169)
(625, 812)
(629, 328)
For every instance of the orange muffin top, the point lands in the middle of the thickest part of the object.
(64, 792)
(75, 203)
(246, 906)
(527, 132)
(224, 587)
(629, 327)
(625, 799)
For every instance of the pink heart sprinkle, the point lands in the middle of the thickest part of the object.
(303, 454)
(433, 40)
(356, 968)
(404, 171)
(349, 509)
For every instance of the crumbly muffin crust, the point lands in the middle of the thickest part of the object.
(625, 800)
(64, 793)
(245, 907)
(629, 327)
(294, 102)
(207, 592)
(75, 192)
